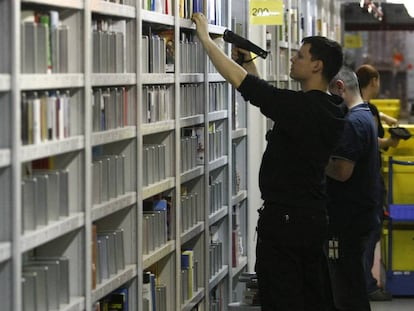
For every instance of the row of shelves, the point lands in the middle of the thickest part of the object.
(76, 143)
(120, 129)
(58, 81)
(75, 221)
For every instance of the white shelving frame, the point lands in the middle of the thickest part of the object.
(13, 157)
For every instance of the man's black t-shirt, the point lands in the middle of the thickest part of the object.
(307, 127)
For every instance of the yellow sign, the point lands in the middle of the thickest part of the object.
(266, 12)
(352, 41)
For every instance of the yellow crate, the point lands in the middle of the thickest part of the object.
(402, 248)
(388, 106)
(403, 180)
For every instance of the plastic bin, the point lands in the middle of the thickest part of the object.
(402, 248)
(389, 106)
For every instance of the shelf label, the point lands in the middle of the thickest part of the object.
(266, 12)
(353, 41)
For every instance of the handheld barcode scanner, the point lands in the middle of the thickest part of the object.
(230, 37)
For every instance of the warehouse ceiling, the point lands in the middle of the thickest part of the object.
(395, 17)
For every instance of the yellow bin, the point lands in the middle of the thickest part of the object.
(403, 175)
(402, 248)
(388, 106)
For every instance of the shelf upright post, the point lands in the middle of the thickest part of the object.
(87, 34)
(230, 164)
(16, 256)
(177, 162)
(206, 181)
(139, 153)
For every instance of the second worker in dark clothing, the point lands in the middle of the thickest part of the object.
(292, 225)
(353, 187)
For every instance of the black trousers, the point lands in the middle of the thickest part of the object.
(347, 274)
(290, 262)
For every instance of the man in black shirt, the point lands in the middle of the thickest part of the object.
(292, 226)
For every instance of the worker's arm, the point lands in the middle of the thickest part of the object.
(229, 69)
(339, 169)
(385, 143)
(388, 119)
(248, 63)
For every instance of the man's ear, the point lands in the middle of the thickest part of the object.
(317, 66)
(340, 85)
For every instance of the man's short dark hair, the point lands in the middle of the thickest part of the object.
(327, 51)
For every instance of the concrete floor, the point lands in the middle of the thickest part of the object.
(397, 304)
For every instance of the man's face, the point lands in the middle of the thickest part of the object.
(376, 86)
(302, 64)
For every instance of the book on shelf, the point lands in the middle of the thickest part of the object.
(145, 58)
(188, 7)
(61, 264)
(189, 211)
(216, 195)
(154, 163)
(35, 295)
(29, 42)
(212, 8)
(235, 248)
(116, 249)
(216, 256)
(103, 258)
(29, 191)
(45, 42)
(45, 117)
(156, 103)
(169, 39)
(59, 44)
(216, 297)
(161, 297)
(108, 172)
(109, 108)
(157, 222)
(159, 6)
(157, 54)
(192, 99)
(148, 291)
(188, 142)
(115, 301)
(52, 274)
(110, 253)
(57, 190)
(44, 196)
(94, 255)
(187, 263)
(109, 46)
(198, 131)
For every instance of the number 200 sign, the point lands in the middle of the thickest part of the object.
(266, 12)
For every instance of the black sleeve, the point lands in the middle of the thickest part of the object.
(276, 104)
